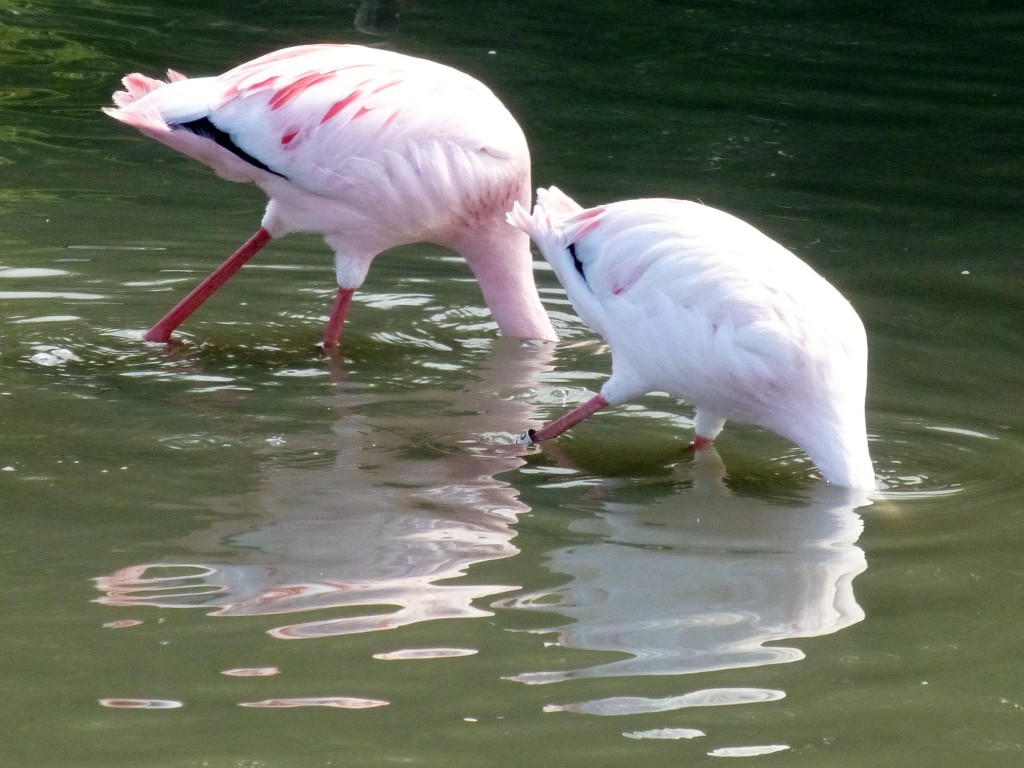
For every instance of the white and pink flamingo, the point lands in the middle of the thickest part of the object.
(699, 304)
(372, 149)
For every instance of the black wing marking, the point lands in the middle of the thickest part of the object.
(203, 127)
(576, 261)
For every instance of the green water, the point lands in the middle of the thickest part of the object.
(363, 529)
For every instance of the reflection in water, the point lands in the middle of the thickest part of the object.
(703, 583)
(342, 702)
(251, 672)
(377, 17)
(754, 751)
(140, 703)
(665, 733)
(418, 654)
(378, 521)
(640, 705)
(379, 527)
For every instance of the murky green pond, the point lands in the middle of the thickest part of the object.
(235, 551)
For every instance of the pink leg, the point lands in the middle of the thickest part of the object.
(332, 333)
(162, 331)
(572, 418)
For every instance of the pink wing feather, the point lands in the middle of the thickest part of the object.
(307, 112)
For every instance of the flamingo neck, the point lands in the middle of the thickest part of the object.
(849, 466)
(841, 454)
(503, 266)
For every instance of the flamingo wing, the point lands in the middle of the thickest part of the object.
(310, 113)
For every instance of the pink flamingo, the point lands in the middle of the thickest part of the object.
(370, 148)
(698, 304)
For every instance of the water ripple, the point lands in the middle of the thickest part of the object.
(46, 319)
(921, 459)
(753, 751)
(195, 442)
(120, 703)
(424, 653)
(637, 705)
(23, 272)
(51, 357)
(666, 733)
(342, 702)
(251, 672)
(69, 295)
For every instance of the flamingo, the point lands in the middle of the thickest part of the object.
(694, 302)
(371, 149)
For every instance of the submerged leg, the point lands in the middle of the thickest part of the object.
(161, 332)
(332, 333)
(571, 419)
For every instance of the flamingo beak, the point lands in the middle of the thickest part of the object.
(526, 438)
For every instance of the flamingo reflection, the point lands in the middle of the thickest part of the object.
(405, 504)
(702, 579)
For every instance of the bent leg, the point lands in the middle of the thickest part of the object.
(571, 419)
(161, 332)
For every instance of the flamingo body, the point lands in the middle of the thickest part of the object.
(370, 148)
(696, 303)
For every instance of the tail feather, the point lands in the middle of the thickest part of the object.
(176, 112)
(557, 220)
(544, 224)
(555, 200)
(136, 86)
(573, 220)
(539, 225)
(174, 101)
(148, 121)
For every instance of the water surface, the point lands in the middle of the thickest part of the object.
(236, 551)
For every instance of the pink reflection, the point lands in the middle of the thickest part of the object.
(343, 702)
(122, 624)
(140, 703)
(371, 523)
